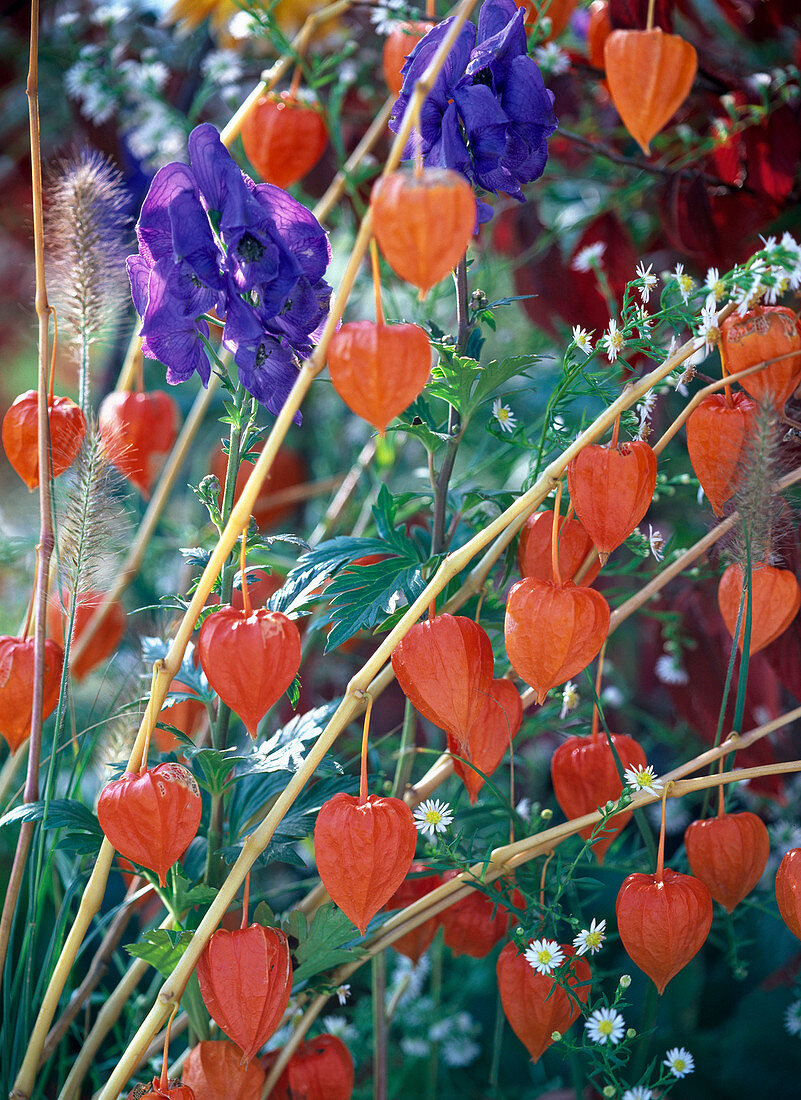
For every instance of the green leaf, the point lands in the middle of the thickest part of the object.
(216, 765)
(62, 813)
(364, 599)
(321, 946)
(162, 948)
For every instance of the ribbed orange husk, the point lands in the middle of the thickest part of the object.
(213, 1070)
(288, 470)
(728, 854)
(775, 600)
(283, 138)
(650, 74)
(444, 667)
(717, 432)
(398, 44)
(611, 489)
(585, 777)
(764, 332)
(152, 817)
(16, 685)
(175, 1091)
(320, 1069)
(413, 944)
(186, 715)
(138, 431)
(363, 851)
(599, 27)
(423, 224)
(788, 890)
(489, 737)
(21, 435)
(378, 370)
(249, 660)
(558, 11)
(574, 544)
(245, 979)
(534, 1004)
(552, 632)
(663, 923)
(473, 925)
(105, 639)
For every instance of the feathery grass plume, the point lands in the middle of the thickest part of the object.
(755, 498)
(88, 237)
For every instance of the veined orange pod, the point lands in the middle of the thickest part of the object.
(138, 430)
(16, 685)
(158, 1090)
(599, 27)
(105, 639)
(21, 435)
(728, 854)
(214, 1069)
(788, 890)
(649, 74)
(489, 736)
(764, 332)
(717, 432)
(775, 600)
(320, 1069)
(283, 137)
(399, 43)
(415, 943)
(534, 549)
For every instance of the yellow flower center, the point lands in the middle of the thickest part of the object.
(606, 1027)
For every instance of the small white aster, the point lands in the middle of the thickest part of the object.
(552, 59)
(708, 330)
(588, 257)
(612, 341)
(639, 1092)
(792, 1018)
(668, 671)
(679, 1061)
(656, 542)
(789, 244)
(590, 939)
(642, 779)
(507, 421)
(581, 338)
(685, 282)
(643, 411)
(544, 956)
(643, 320)
(605, 1026)
(385, 16)
(433, 816)
(752, 287)
(780, 285)
(343, 992)
(570, 698)
(715, 287)
(649, 281)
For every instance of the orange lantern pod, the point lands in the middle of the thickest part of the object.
(663, 921)
(775, 600)
(415, 943)
(16, 686)
(489, 737)
(398, 44)
(574, 544)
(534, 1004)
(717, 433)
(764, 332)
(249, 660)
(553, 631)
(261, 585)
(599, 27)
(151, 817)
(650, 75)
(214, 1069)
(611, 488)
(104, 640)
(186, 715)
(245, 979)
(585, 777)
(320, 1069)
(171, 1090)
(283, 137)
(364, 850)
(444, 666)
(287, 471)
(138, 431)
(21, 435)
(474, 924)
(377, 369)
(788, 890)
(728, 854)
(423, 223)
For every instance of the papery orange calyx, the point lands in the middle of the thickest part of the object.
(21, 435)
(138, 431)
(775, 602)
(489, 737)
(213, 1069)
(16, 685)
(728, 853)
(717, 434)
(283, 137)
(320, 1069)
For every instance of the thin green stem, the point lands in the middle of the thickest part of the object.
(379, 980)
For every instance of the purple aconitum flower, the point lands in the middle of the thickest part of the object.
(488, 115)
(211, 239)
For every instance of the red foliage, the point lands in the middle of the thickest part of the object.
(21, 435)
(16, 686)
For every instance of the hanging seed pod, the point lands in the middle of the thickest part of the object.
(764, 332)
(151, 817)
(611, 488)
(245, 979)
(175, 1090)
(138, 431)
(287, 471)
(398, 44)
(444, 667)
(650, 75)
(186, 715)
(534, 549)
(249, 660)
(105, 639)
(364, 851)
(585, 777)
(213, 1069)
(320, 1069)
(21, 435)
(423, 223)
(489, 737)
(663, 921)
(728, 854)
(16, 686)
(378, 370)
(415, 943)
(775, 600)
(599, 27)
(283, 137)
(534, 1004)
(553, 631)
(788, 890)
(717, 432)
(473, 925)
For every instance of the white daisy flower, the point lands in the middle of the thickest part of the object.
(642, 779)
(552, 59)
(612, 341)
(581, 338)
(643, 320)
(780, 285)
(656, 542)
(669, 671)
(708, 330)
(685, 282)
(792, 1018)
(715, 287)
(752, 287)
(432, 816)
(605, 1026)
(588, 257)
(590, 939)
(639, 1092)
(544, 956)
(507, 421)
(679, 1061)
(570, 698)
(343, 992)
(385, 16)
(649, 281)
